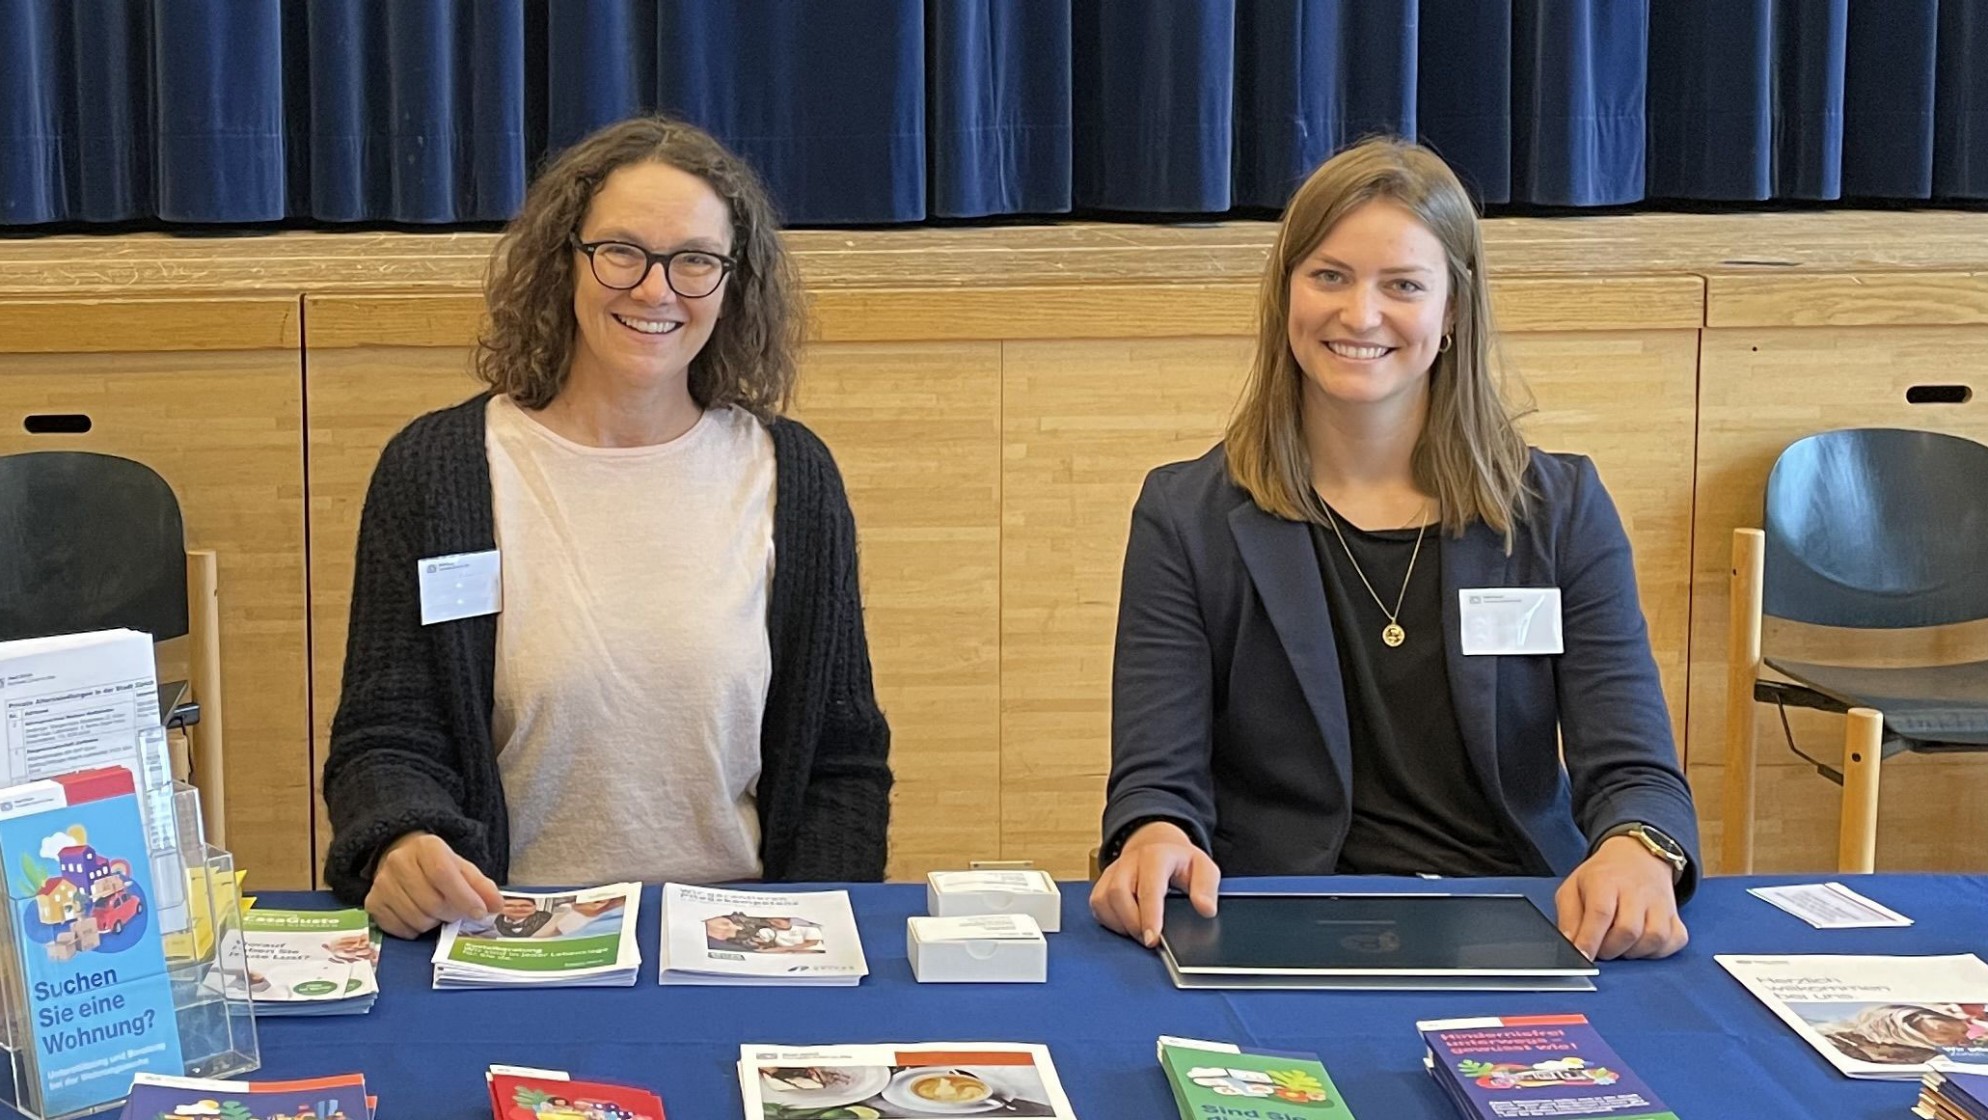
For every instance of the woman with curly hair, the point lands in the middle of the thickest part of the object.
(672, 679)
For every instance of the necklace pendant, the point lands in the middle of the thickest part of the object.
(1394, 635)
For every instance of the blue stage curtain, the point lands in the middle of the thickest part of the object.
(1960, 99)
(1312, 76)
(998, 107)
(413, 110)
(886, 111)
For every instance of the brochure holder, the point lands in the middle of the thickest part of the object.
(205, 962)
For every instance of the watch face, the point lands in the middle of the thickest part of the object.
(1668, 847)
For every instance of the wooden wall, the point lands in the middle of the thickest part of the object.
(994, 398)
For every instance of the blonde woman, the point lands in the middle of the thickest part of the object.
(1354, 637)
(674, 681)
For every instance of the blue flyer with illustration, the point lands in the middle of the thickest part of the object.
(94, 987)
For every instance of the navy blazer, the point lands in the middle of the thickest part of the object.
(1228, 711)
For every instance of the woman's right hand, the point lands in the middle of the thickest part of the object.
(420, 882)
(1130, 896)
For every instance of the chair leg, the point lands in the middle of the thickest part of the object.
(1742, 669)
(1863, 750)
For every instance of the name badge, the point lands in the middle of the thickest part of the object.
(1505, 620)
(466, 585)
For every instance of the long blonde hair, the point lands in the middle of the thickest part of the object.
(1470, 456)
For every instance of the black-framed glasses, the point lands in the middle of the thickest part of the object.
(690, 273)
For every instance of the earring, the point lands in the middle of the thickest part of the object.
(1443, 347)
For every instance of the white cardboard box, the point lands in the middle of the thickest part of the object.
(964, 894)
(985, 949)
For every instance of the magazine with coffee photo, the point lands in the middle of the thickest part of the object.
(901, 1082)
(714, 936)
(545, 939)
(1887, 1018)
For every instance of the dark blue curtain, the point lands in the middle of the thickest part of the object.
(887, 111)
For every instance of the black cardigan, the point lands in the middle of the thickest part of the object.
(411, 746)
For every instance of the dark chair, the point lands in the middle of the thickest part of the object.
(96, 542)
(1871, 529)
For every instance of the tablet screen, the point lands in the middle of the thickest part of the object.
(1461, 934)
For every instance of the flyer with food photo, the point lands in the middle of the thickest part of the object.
(900, 1082)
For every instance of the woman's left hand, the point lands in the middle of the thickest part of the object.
(1620, 903)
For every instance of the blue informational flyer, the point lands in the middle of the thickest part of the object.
(98, 1002)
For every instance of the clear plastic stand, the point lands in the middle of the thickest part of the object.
(205, 962)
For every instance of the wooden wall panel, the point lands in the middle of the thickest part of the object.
(1760, 390)
(915, 428)
(1082, 424)
(1628, 399)
(224, 428)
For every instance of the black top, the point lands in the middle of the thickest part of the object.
(1418, 805)
(411, 747)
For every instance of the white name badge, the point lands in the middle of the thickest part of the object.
(465, 585)
(1504, 620)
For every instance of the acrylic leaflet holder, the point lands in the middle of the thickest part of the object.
(76, 1023)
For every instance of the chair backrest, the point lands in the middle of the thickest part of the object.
(1878, 529)
(88, 542)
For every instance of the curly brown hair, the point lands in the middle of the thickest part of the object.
(527, 341)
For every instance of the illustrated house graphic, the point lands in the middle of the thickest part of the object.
(58, 901)
(82, 866)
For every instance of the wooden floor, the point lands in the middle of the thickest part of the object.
(994, 397)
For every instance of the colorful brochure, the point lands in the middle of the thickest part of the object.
(311, 962)
(1877, 1017)
(1951, 1092)
(97, 1003)
(569, 939)
(80, 701)
(1219, 1079)
(1534, 1065)
(182, 1098)
(713, 936)
(522, 1093)
(895, 1082)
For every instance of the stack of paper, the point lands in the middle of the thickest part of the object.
(563, 939)
(1950, 1092)
(1886, 1018)
(1533, 1065)
(713, 936)
(311, 962)
(1220, 1079)
(522, 1093)
(156, 1095)
(893, 1080)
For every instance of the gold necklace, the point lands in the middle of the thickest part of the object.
(1392, 634)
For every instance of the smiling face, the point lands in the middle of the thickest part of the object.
(642, 339)
(518, 909)
(1369, 306)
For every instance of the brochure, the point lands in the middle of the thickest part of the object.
(522, 1093)
(77, 701)
(713, 936)
(154, 1097)
(891, 1081)
(311, 962)
(572, 939)
(1534, 1065)
(96, 1001)
(1950, 1092)
(1877, 1017)
(1219, 1079)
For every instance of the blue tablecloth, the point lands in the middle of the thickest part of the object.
(1694, 1034)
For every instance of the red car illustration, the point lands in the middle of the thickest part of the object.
(117, 911)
